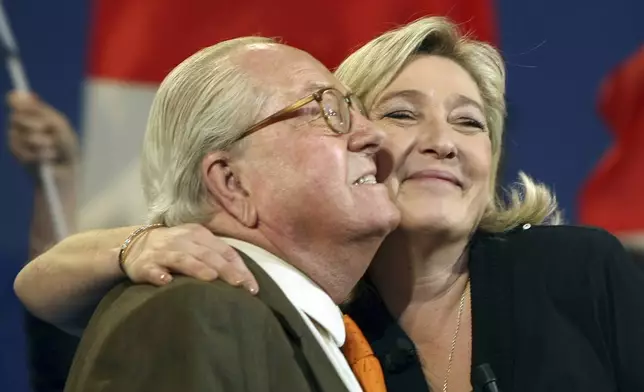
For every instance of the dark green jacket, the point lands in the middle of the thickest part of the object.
(192, 336)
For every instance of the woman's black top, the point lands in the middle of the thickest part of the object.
(554, 308)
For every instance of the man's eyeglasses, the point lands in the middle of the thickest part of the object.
(334, 106)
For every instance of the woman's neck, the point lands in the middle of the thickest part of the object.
(412, 270)
(423, 284)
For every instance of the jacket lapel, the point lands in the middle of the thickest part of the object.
(319, 365)
(491, 273)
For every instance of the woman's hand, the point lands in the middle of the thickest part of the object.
(38, 132)
(190, 250)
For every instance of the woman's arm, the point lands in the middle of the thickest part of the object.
(64, 285)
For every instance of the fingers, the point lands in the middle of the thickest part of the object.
(38, 132)
(153, 266)
(190, 250)
(30, 142)
(33, 148)
(228, 264)
(224, 259)
(190, 265)
(156, 275)
(21, 101)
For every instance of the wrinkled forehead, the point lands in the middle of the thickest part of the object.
(290, 72)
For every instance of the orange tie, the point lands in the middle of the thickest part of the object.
(360, 356)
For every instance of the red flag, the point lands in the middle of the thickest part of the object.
(143, 40)
(613, 196)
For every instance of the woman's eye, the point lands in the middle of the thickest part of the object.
(471, 123)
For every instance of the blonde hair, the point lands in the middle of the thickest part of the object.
(374, 66)
(204, 104)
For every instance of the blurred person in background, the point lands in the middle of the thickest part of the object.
(613, 196)
(467, 279)
(38, 132)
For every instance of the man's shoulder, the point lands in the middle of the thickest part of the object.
(183, 298)
(233, 337)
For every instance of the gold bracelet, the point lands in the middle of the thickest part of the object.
(130, 239)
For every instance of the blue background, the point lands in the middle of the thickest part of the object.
(557, 53)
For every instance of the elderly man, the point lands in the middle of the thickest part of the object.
(247, 135)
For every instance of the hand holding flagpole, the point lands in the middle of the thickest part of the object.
(20, 83)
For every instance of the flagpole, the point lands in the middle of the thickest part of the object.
(19, 79)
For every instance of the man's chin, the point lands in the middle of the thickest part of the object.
(384, 223)
(394, 220)
(378, 214)
(374, 196)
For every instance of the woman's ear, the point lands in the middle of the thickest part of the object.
(225, 185)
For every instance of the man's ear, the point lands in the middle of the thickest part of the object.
(225, 185)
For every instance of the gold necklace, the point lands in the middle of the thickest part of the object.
(461, 306)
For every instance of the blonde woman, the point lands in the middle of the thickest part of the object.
(468, 282)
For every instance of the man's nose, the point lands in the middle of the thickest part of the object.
(365, 136)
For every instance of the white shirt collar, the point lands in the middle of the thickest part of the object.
(303, 293)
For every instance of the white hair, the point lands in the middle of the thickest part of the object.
(374, 66)
(203, 105)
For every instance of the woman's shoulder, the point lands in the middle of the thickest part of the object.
(560, 262)
(567, 231)
(556, 238)
(558, 247)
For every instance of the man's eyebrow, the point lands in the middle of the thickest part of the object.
(312, 87)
